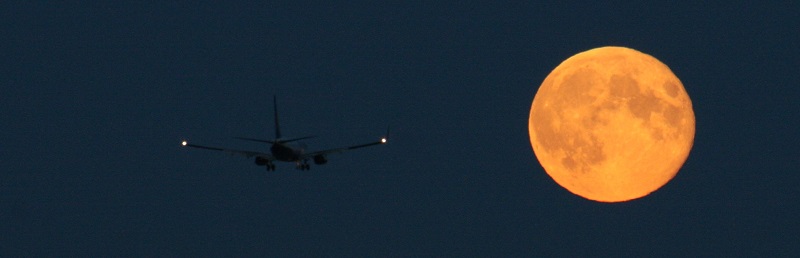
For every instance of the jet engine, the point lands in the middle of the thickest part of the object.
(261, 161)
(320, 159)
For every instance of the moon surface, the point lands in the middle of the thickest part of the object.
(611, 124)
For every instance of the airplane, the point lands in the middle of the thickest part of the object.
(281, 150)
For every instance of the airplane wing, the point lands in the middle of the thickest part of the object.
(383, 140)
(244, 153)
(340, 150)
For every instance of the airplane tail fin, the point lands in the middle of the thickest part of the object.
(277, 125)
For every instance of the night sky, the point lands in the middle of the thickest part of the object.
(97, 97)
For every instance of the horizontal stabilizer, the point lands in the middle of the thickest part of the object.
(273, 141)
(296, 139)
(254, 140)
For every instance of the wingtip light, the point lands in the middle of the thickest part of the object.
(183, 143)
(383, 140)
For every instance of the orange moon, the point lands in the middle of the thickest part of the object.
(611, 124)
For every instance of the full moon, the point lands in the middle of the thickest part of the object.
(611, 124)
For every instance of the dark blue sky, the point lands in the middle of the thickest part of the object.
(96, 97)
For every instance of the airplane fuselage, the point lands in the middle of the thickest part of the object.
(284, 152)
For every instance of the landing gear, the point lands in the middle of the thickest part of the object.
(260, 161)
(304, 165)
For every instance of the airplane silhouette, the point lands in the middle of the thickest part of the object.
(282, 151)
